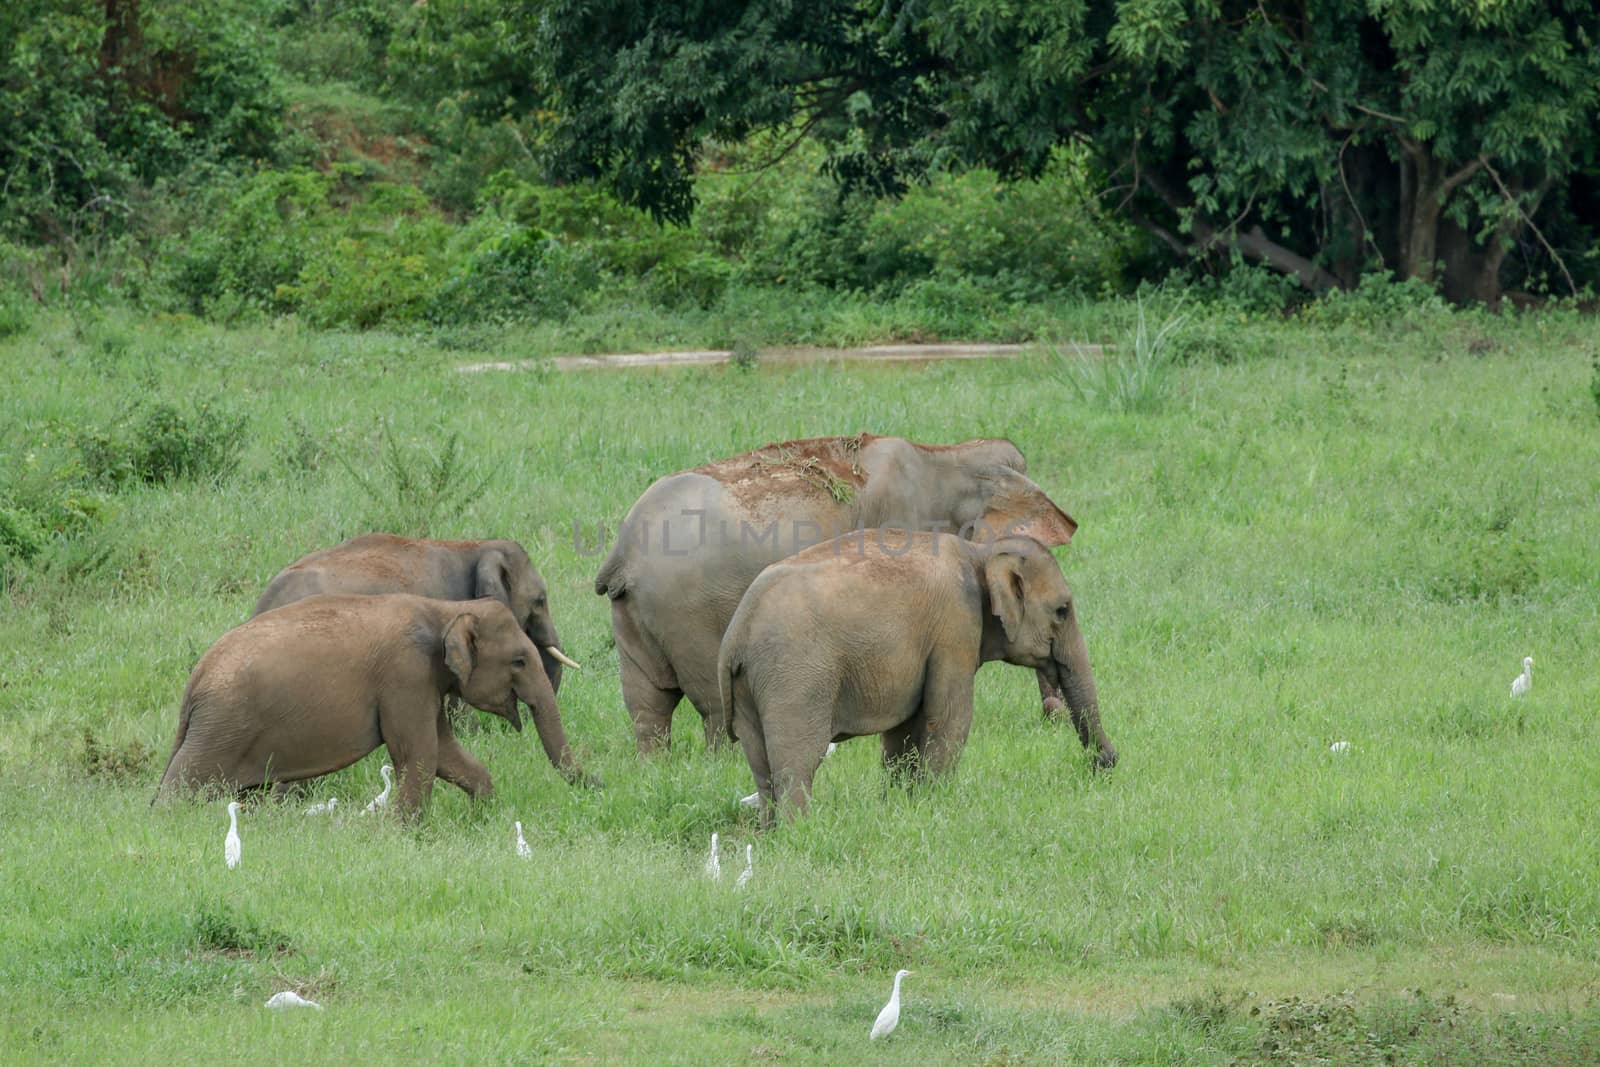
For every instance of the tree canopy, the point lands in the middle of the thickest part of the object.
(1323, 139)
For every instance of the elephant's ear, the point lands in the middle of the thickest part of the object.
(1016, 506)
(461, 646)
(1003, 575)
(493, 578)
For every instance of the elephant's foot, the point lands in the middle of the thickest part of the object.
(1106, 758)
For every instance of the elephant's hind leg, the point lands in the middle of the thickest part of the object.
(798, 727)
(649, 686)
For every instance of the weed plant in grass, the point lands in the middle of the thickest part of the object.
(1351, 533)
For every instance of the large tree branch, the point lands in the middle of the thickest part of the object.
(1253, 243)
(1526, 216)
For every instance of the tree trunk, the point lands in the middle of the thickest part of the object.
(1424, 190)
(1472, 271)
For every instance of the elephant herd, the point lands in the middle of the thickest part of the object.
(800, 594)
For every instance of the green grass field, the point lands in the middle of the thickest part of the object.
(1351, 535)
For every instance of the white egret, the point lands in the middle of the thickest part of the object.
(1339, 746)
(230, 844)
(325, 808)
(1524, 681)
(290, 999)
(749, 867)
(889, 1017)
(381, 801)
(522, 844)
(713, 863)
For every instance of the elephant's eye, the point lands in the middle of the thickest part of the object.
(538, 602)
(1063, 611)
(519, 663)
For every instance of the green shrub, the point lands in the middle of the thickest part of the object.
(15, 316)
(1377, 301)
(218, 928)
(409, 486)
(504, 271)
(257, 245)
(1025, 238)
(162, 442)
(21, 535)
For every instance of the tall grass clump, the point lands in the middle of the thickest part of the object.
(1130, 378)
(411, 486)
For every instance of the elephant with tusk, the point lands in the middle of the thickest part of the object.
(442, 570)
(309, 688)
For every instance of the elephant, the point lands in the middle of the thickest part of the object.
(882, 633)
(313, 686)
(694, 541)
(443, 570)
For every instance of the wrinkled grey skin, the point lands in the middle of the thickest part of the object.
(693, 543)
(313, 686)
(843, 640)
(442, 570)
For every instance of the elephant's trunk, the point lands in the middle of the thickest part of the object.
(535, 690)
(1077, 686)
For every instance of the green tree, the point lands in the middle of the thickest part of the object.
(1321, 138)
(100, 96)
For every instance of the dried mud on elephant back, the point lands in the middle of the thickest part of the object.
(831, 464)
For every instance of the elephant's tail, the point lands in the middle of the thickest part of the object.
(725, 690)
(183, 731)
(611, 581)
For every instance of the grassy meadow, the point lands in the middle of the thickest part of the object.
(1337, 531)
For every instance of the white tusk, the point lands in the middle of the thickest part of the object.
(561, 657)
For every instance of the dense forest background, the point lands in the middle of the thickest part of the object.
(440, 162)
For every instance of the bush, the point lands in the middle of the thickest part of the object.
(1377, 301)
(1025, 238)
(163, 443)
(15, 316)
(504, 271)
(257, 246)
(411, 485)
(373, 278)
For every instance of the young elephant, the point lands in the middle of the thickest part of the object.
(378, 563)
(876, 633)
(314, 686)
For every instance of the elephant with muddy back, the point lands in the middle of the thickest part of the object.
(313, 686)
(694, 541)
(378, 563)
(870, 634)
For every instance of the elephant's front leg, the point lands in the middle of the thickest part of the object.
(410, 733)
(946, 714)
(459, 767)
